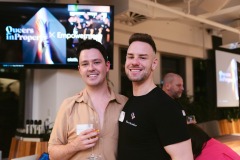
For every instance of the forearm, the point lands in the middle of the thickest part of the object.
(184, 156)
(180, 151)
(61, 152)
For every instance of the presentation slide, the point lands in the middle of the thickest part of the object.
(227, 65)
(42, 35)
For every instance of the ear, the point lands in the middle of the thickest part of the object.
(108, 64)
(168, 85)
(154, 64)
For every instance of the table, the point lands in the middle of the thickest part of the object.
(21, 148)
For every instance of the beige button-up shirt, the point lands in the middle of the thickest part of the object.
(78, 110)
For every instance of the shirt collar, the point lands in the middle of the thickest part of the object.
(83, 97)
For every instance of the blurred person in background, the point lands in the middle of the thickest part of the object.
(173, 86)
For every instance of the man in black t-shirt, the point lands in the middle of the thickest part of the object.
(173, 86)
(151, 125)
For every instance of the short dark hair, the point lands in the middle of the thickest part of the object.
(143, 37)
(90, 43)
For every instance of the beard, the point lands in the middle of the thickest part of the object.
(138, 77)
(177, 95)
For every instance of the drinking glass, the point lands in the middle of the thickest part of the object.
(93, 155)
(82, 127)
(191, 119)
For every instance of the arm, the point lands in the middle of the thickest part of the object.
(181, 150)
(64, 143)
(66, 151)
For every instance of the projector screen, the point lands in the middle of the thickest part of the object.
(227, 65)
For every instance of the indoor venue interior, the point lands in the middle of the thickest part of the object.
(197, 39)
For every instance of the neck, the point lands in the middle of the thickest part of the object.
(100, 97)
(142, 88)
(98, 90)
(167, 92)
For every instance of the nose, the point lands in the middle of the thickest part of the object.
(135, 61)
(91, 67)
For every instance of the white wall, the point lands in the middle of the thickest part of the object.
(172, 37)
(50, 87)
(115, 74)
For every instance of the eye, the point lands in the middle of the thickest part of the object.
(129, 57)
(97, 62)
(84, 64)
(143, 57)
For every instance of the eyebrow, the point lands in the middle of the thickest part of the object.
(96, 59)
(141, 54)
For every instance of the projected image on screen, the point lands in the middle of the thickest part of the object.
(42, 46)
(227, 65)
(46, 35)
(88, 22)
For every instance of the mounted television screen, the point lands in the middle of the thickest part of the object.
(34, 35)
(227, 73)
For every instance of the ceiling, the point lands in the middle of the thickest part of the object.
(221, 16)
(221, 11)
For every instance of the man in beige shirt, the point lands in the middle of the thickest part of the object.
(97, 107)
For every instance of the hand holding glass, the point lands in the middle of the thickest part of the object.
(83, 127)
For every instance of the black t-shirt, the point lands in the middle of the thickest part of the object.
(147, 124)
